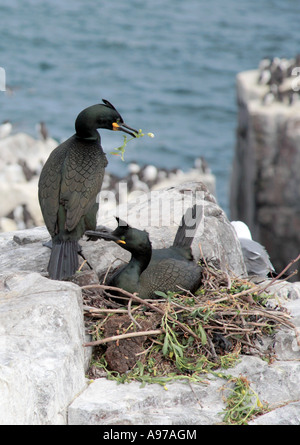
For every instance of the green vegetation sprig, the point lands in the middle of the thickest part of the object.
(243, 402)
(120, 151)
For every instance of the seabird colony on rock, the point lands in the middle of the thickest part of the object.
(145, 178)
(281, 76)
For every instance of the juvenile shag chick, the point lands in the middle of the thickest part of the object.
(70, 182)
(151, 270)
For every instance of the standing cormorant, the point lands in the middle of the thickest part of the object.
(151, 270)
(70, 182)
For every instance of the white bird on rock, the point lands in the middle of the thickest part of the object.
(5, 129)
(256, 258)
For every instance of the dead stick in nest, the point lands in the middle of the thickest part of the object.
(261, 288)
(122, 336)
(130, 315)
(282, 272)
(95, 310)
(280, 318)
(267, 314)
(146, 303)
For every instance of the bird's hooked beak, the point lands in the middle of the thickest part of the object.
(93, 235)
(125, 128)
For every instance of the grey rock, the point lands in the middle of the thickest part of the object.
(285, 415)
(285, 290)
(23, 250)
(179, 403)
(160, 212)
(41, 349)
(285, 341)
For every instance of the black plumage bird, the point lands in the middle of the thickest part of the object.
(150, 270)
(70, 182)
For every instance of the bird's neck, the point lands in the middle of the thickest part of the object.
(139, 262)
(86, 129)
(128, 277)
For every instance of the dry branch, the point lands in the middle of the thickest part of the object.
(122, 336)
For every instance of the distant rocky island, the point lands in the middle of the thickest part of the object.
(265, 183)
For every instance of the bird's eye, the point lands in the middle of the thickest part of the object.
(122, 238)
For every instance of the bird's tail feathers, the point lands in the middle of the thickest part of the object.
(63, 261)
(188, 226)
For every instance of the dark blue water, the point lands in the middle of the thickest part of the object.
(169, 66)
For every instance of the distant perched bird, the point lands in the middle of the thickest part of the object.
(70, 182)
(22, 217)
(271, 95)
(151, 270)
(202, 165)
(149, 174)
(27, 171)
(135, 184)
(42, 131)
(256, 258)
(264, 77)
(5, 129)
(134, 168)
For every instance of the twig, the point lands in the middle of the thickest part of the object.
(212, 349)
(122, 336)
(82, 264)
(108, 269)
(228, 280)
(243, 322)
(187, 292)
(248, 291)
(96, 310)
(130, 315)
(281, 273)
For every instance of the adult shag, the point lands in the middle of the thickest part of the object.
(151, 270)
(70, 182)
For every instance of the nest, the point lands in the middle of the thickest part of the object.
(179, 334)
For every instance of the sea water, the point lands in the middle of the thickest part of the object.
(169, 67)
